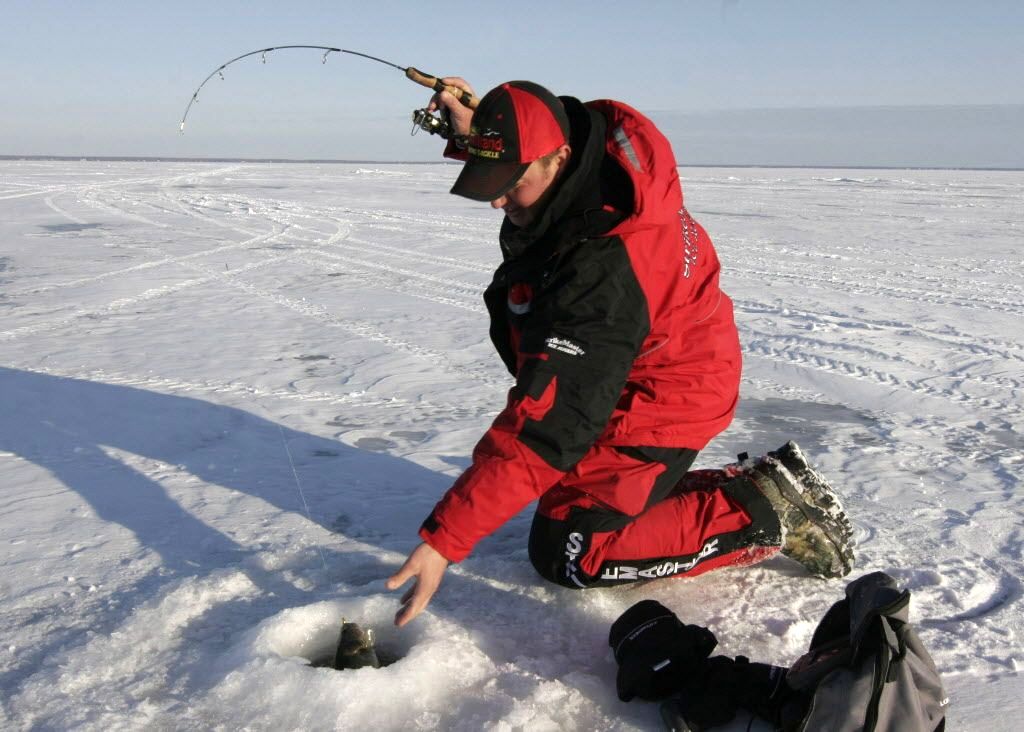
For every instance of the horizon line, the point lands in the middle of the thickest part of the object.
(339, 161)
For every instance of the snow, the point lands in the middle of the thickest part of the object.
(175, 337)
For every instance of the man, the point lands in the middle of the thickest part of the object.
(607, 311)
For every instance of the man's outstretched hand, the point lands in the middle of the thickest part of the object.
(427, 566)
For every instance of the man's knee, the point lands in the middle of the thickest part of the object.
(555, 550)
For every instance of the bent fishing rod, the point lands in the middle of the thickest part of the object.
(422, 119)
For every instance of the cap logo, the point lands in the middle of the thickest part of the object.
(514, 124)
(489, 144)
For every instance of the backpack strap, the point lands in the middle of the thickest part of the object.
(889, 652)
(875, 596)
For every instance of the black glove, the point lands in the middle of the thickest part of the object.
(657, 654)
(726, 686)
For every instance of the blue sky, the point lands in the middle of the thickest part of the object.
(113, 78)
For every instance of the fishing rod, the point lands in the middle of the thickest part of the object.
(422, 119)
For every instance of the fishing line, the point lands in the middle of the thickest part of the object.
(422, 119)
(302, 495)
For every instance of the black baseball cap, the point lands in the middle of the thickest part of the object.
(515, 123)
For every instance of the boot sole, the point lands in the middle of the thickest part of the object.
(821, 493)
(823, 543)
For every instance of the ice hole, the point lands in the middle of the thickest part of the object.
(312, 632)
(387, 651)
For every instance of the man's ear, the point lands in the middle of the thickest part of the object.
(564, 153)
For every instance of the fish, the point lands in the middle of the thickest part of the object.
(355, 648)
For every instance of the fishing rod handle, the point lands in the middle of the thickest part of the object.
(432, 82)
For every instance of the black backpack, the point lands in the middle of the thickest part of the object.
(866, 670)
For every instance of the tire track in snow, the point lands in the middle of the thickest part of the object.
(343, 237)
(904, 294)
(91, 199)
(169, 260)
(937, 360)
(150, 294)
(926, 276)
(835, 366)
(465, 295)
(50, 202)
(964, 374)
(92, 189)
(25, 194)
(445, 223)
(998, 382)
(470, 289)
(423, 409)
(323, 315)
(769, 249)
(314, 311)
(421, 256)
(790, 340)
(157, 179)
(399, 286)
(88, 193)
(347, 241)
(194, 214)
(971, 343)
(284, 212)
(466, 229)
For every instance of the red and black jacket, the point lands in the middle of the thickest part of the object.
(608, 313)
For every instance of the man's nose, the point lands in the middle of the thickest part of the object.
(499, 202)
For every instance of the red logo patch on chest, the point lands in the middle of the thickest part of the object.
(519, 297)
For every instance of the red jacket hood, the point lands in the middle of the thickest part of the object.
(646, 156)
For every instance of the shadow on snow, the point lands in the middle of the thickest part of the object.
(75, 429)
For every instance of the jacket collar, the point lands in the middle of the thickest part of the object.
(578, 205)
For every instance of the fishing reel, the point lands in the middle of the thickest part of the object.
(435, 124)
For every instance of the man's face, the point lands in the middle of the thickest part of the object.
(530, 193)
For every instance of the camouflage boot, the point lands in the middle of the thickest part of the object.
(816, 530)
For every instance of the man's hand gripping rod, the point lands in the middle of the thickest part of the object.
(432, 82)
(422, 119)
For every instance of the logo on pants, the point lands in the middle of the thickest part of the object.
(666, 569)
(573, 548)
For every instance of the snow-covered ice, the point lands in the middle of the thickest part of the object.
(176, 337)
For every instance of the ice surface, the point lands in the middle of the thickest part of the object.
(171, 332)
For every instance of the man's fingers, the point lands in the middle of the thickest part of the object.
(406, 611)
(461, 116)
(400, 577)
(411, 607)
(428, 567)
(417, 598)
(458, 82)
(402, 616)
(443, 99)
